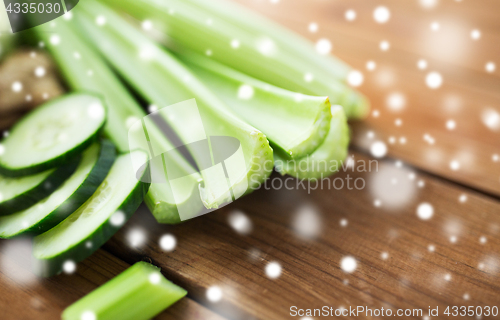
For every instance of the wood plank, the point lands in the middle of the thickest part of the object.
(395, 268)
(27, 297)
(467, 91)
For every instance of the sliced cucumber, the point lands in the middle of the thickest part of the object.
(88, 228)
(52, 135)
(92, 169)
(17, 194)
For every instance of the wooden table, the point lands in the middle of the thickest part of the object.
(402, 261)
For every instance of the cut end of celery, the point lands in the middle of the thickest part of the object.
(160, 201)
(327, 159)
(316, 135)
(163, 212)
(261, 163)
(139, 293)
(246, 172)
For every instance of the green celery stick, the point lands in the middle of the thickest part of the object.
(139, 293)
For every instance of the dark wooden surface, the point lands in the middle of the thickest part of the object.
(211, 253)
(396, 267)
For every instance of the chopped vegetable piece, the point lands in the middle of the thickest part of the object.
(163, 80)
(89, 227)
(17, 194)
(296, 124)
(76, 59)
(138, 293)
(327, 159)
(80, 186)
(250, 44)
(52, 135)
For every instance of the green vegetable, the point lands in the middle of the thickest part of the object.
(283, 112)
(163, 80)
(17, 194)
(139, 293)
(80, 186)
(89, 227)
(84, 69)
(327, 159)
(250, 44)
(52, 135)
(295, 124)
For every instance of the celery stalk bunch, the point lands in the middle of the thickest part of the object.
(251, 80)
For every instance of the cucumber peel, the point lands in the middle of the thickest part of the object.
(52, 135)
(95, 222)
(139, 293)
(80, 186)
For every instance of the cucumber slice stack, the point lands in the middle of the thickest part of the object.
(89, 227)
(59, 180)
(17, 194)
(91, 171)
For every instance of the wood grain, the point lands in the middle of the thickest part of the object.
(210, 253)
(27, 297)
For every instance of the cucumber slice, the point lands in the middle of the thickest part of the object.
(138, 293)
(52, 135)
(17, 194)
(88, 228)
(93, 168)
